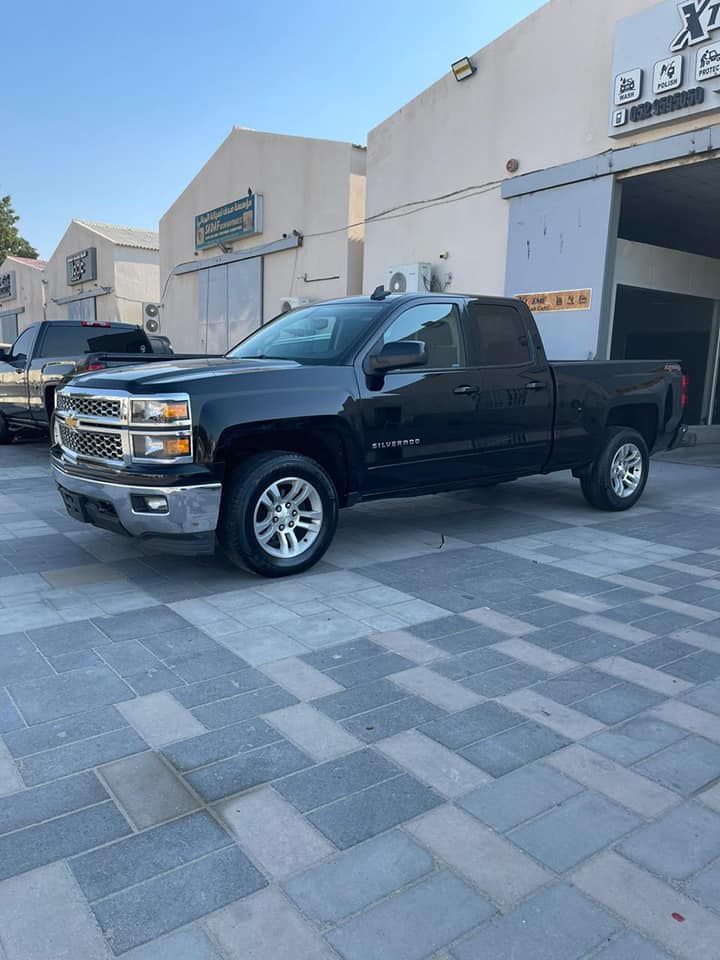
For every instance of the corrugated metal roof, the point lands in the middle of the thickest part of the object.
(124, 236)
(28, 262)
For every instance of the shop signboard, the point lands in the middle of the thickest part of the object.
(8, 287)
(232, 221)
(666, 65)
(557, 301)
(81, 267)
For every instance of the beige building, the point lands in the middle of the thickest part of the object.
(576, 164)
(103, 272)
(265, 221)
(21, 295)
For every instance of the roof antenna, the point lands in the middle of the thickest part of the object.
(379, 293)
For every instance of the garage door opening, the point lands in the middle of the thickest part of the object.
(667, 276)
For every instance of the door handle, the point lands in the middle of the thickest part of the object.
(466, 391)
(535, 385)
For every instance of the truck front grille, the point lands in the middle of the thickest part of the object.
(90, 443)
(89, 406)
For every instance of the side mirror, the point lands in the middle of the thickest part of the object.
(3, 354)
(397, 355)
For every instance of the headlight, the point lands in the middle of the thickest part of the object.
(157, 446)
(160, 411)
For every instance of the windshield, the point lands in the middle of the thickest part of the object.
(322, 333)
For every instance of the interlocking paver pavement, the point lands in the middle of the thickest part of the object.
(487, 724)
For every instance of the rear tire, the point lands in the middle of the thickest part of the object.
(618, 477)
(6, 435)
(279, 514)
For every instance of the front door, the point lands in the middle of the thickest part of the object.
(514, 396)
(13, 377)
(418, 423)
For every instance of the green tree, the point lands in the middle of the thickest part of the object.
(11, 243)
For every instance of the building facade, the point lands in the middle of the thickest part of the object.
(103, 272)
(578, 166)
(267, 221)
(22, 299)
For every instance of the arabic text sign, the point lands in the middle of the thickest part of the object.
(557, 300)
(233, 221)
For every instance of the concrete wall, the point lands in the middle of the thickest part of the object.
(78, 237)
(656, 268)
(312, 186)
(541, 95)
(29, 293)
(137, 281)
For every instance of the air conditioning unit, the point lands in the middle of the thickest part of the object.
(291, 303)
(151, 317)
(411, 278)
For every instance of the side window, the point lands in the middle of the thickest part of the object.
(437, 325)
(64, 340)
(23, 345)
(496, 335)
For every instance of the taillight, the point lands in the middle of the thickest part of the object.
(94, 323)
(96, 366)
(684, 391)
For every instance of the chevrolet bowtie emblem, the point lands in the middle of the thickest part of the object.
(71, 422)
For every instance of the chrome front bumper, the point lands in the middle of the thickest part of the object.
(192, 511)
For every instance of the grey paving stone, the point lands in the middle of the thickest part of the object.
(151, 853)
(219, 688)
(43, 916)
(686, 766)
(470, 664)
(362, 875)
(574, 831)
(245, 706)
(129, 657)
(342, 653)
(364, 671)
(706, 697)
(162, 904)
(67, 637)
(61, 732)
(10, 719)
(206, 665)
(312, 731)
(413, 924)
(75, 660)
(339, 706)
(266, 926)
(136, 624)
(631, 946)
(514, 748)
(302, 680)
(153, 680)
(42, 803)
(147, 790)
(468, 640)
(20, 660)
(592, 647)
(441, 627)
(62, 837)
(160, 719)
(391, 719)
(177, 644)
(619, 703)
(231, 776)
(678, 844)
(190, 943)
(556, 924)
(220, 744)
(473, 724)
(48, 698)
(559, 634)
(360, 816)
(518, 796)
(81, 755)
(635, 740)
(696, 668)
(440, 768)
(705, 886)
(575, 685)
(513, 676)
(336, 778)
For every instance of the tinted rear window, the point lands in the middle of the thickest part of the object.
(65, 341)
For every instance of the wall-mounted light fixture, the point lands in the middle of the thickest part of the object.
(462, 69)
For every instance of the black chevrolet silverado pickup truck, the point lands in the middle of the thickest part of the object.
(355, 399)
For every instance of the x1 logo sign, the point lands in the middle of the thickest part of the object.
(700, 18)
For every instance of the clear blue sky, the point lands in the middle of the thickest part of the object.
(112, 107)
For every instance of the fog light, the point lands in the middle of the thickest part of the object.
(149, 504)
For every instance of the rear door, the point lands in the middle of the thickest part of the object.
(513, 400)
(14, 376)
(418, 423)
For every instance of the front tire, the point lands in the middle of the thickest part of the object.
(6, 435)
(618, 477)
(279, 514)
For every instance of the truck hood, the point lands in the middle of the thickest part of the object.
(175, 373)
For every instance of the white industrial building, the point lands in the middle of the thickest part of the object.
(22, 300)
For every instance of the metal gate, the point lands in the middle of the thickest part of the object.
(229, 303)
